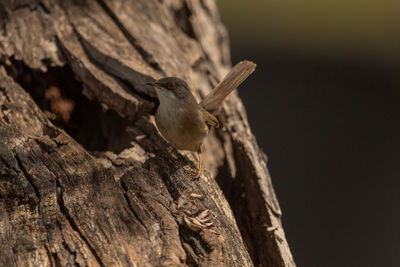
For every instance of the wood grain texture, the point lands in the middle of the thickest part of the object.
(98, 189)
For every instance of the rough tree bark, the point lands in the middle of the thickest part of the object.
(84, 174)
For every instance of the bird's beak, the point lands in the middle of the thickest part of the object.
(154, 84)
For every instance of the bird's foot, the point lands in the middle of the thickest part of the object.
(197, 172)
(171, 156)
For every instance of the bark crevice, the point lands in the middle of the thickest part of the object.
(84, 174)
(147, 57)
(74, 226)
(27, 176)
(128, 201)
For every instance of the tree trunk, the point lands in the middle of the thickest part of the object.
(85, 176)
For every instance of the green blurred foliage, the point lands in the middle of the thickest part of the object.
(366, 30)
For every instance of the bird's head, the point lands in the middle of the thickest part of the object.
(171, 88)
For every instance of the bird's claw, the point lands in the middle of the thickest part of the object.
(197, 172)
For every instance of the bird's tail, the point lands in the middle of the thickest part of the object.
(212, 102)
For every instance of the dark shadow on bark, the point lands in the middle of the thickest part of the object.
(59, 95)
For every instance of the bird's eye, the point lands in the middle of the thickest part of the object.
(171, 85)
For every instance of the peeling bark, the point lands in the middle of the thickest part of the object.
(89, 182)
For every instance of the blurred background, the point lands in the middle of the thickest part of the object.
(324, 104)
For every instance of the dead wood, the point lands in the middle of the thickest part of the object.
(84, 175)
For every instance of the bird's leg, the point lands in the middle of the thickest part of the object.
(199, 167)
(170, 154)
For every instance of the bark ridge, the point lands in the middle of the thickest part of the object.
(84, 175)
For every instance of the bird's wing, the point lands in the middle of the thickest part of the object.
(210, 119)
(212, 102)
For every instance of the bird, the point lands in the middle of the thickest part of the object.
(185, 123)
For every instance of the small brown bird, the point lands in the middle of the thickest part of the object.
(182, 121)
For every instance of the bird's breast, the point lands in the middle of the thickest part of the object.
(182, 126)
